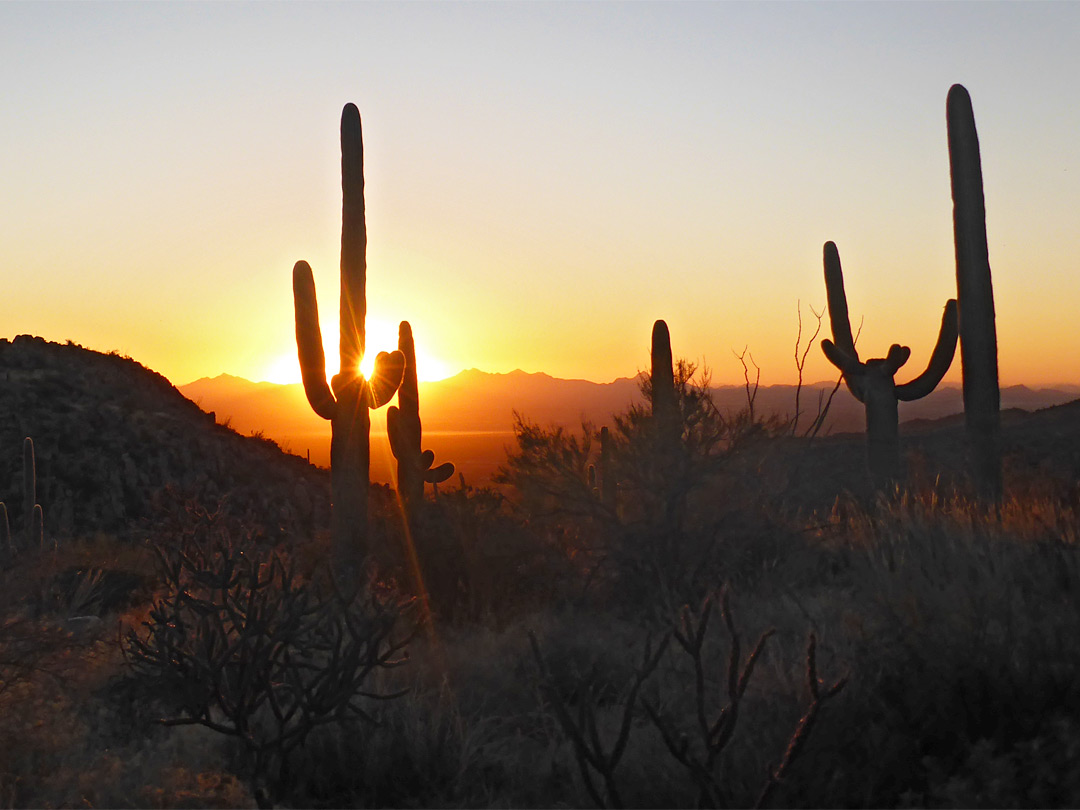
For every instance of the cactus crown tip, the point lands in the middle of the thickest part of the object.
(958, 95)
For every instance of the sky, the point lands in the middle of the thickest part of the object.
(544, 180)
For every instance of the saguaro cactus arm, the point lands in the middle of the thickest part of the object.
(389, 368)
(940, 359)
(309, 343)
(839, 321)
(842, 352)
(848, 365)
(896, 358)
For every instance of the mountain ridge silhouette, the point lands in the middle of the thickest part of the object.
(469, 417)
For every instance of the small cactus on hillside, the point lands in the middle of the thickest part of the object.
(975, 293)
(33, 516)
(406, 434)
(871, 381)
(346, 399)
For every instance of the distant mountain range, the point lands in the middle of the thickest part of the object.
(469, 418)
(110, 436)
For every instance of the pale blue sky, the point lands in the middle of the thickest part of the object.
(544, 179)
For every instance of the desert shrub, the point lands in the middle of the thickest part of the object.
(469, 556)
(602, 721)
(423, 752)
(241, 645)
(689, 514)
(549, 471)
(963, 631)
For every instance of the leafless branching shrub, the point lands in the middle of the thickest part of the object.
(696, 743)
(580, 725)
(240, 645)
(550, 470)
(751, 388)
(818, 697)
(715, 734)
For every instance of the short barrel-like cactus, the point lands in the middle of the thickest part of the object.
(345, 400)
(406, 434)
(872, 381)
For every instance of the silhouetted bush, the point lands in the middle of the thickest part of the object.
(686, 513)
(240, 644)
(471, 558)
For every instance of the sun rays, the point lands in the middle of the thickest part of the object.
(382, 336)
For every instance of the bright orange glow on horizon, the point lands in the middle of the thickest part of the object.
(613, 164)
(381, 337)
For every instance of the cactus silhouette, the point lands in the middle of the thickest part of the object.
(871, 382)
(403, 426)
(665, 404)
(346, 399)
(975, 293)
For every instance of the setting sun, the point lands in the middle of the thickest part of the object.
(382, 336)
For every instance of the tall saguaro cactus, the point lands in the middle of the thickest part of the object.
(665, 403)
(346, 399)
(871, 382)
(975, 292)
(403, 426)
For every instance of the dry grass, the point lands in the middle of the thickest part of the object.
(959, 627)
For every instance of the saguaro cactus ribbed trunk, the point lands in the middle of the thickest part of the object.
(406, 434)
(345, 401)
(871, 382)
(975, 292)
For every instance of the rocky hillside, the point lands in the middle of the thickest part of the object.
(113, 439)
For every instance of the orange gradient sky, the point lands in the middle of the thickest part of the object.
(543, 180)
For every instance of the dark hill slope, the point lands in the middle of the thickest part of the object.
(110, 436)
